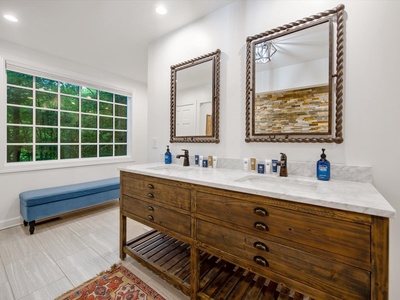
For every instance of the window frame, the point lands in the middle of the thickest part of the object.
(59, 162)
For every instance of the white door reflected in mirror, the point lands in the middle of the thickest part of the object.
(194, 100)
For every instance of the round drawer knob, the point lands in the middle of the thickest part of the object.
(150, 208)
(150, 186)
(261, 261)
(261, 226)
(150, 195)
(261, 246)
(260, 211)
(150, 217)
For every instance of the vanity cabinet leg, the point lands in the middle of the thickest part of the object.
(380, 258)
(194, 272)
(122, 237)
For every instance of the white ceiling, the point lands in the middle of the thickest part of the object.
(112, 35)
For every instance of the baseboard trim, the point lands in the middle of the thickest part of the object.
(10, 223)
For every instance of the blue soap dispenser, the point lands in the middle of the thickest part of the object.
(323, 167)
(168, 156)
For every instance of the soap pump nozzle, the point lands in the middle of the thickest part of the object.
(323, 155)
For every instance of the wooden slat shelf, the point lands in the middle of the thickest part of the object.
(170, 258)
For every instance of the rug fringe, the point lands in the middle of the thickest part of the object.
(112, 268)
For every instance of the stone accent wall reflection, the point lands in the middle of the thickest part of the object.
(293, 111)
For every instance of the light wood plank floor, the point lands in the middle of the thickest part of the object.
(66, 252)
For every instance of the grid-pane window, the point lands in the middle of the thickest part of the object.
(49, 119)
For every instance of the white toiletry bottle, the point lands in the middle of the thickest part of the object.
(245, 164)
(267, 166)
(253, 163)
(215, 161)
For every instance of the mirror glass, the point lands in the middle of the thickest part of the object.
(294, 85)
(291, 79)
(195, 100)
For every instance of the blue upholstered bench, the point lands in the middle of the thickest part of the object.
(49, 202)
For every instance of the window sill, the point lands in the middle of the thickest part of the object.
(49, 165)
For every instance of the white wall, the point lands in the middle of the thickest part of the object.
(372, 104)
(12, 183)
(293, 77)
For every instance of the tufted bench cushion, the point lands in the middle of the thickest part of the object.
(43, 203)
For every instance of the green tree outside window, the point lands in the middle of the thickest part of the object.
(46, 84)
(49, 119)
(19, 96)
(46, 100)
(69, 151)
(88, 121)
(89, 151)
(20, 79)
(19, 153)
(46, 152)
(19, 115)
(69, 136)
(106, 150)
(46, 135)
(106, 96)
(69, 103)
(120, 150)
(70, 89)
(89, 93)
(106, 123)
(46, 117)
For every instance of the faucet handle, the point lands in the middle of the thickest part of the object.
(186, 151)
(283, 156)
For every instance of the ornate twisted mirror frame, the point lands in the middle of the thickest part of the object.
(337, 137)
(214, 138)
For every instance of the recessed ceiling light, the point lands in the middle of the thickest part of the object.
(10, 18)
(161, 10)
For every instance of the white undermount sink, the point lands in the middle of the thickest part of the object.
(170, 168)
(270, 181)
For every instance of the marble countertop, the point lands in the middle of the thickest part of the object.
(352, 196)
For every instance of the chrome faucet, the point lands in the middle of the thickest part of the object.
(283, 164)
(185, 156)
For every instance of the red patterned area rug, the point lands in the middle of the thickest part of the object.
(118, 283)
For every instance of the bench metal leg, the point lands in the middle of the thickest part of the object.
(31, 226)
(25, 223)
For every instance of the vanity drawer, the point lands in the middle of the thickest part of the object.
(341, 237)
(168, 192)
(150, 214)
(267, 258)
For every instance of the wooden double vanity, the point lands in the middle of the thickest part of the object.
(219, 235)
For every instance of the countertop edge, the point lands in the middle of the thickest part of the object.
(324, 198)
